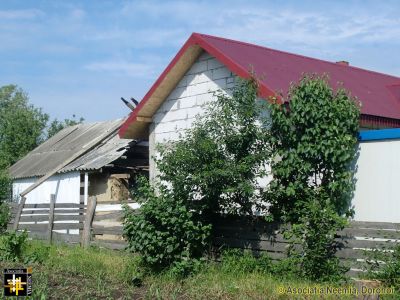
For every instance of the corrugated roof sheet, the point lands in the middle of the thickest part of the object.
(66, 143)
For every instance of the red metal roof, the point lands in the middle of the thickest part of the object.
(379, 93)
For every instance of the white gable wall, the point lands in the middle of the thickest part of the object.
(179, 110)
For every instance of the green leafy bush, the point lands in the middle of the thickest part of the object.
(215, 165)
(314, 137)
(12, 246)
(315, 233)
(165, 231)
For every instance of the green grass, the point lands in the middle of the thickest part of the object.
(65, 272)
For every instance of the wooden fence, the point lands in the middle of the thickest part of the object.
(94, 224)
(356, 242)
(100, 224)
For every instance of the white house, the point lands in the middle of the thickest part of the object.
(206, 63)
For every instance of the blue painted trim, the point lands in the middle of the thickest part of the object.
(381, 134)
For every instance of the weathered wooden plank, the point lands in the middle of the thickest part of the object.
(59, 226)
(56, 226)
(51, 218)
(374, 225)
(18, 214)
(251, 244)
(33, 226)
(116, 230)
(248, 234)
(350, 253)
(57, 205)
(88, 221)
(35, 211)
(70, 205)
(371, 244)
(34, 218)
(108, 216)
(372, 233)
(56, 211)
(115, 202)
(69, 218)
(69, 211)
(41, 218)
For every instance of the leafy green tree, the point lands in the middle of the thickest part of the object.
(21, 125)
(56, 125)
(314, 137)
(216, 165)
(21, 130)
(212, 169)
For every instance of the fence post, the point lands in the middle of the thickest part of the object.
(51, 218)
(90, 210)
(19, 212)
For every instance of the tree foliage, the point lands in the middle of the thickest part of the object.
(216, 165)
(165, 232)
(212, 169)
(22, 125)
(314, 138)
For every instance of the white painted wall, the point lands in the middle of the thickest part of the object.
(66, 187)
(377, 194)
(180, 108)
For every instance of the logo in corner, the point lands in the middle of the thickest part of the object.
(17, 282)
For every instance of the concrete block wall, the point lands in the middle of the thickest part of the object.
(186, 101)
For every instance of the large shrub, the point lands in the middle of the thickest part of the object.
(216, 165)
(212, 169)
(12, 246)
(165, 232)
(314, 137)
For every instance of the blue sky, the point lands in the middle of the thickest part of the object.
(80, 57)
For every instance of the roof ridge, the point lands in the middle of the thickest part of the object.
(293, 54)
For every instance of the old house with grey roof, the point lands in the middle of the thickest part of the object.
(78, 162)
